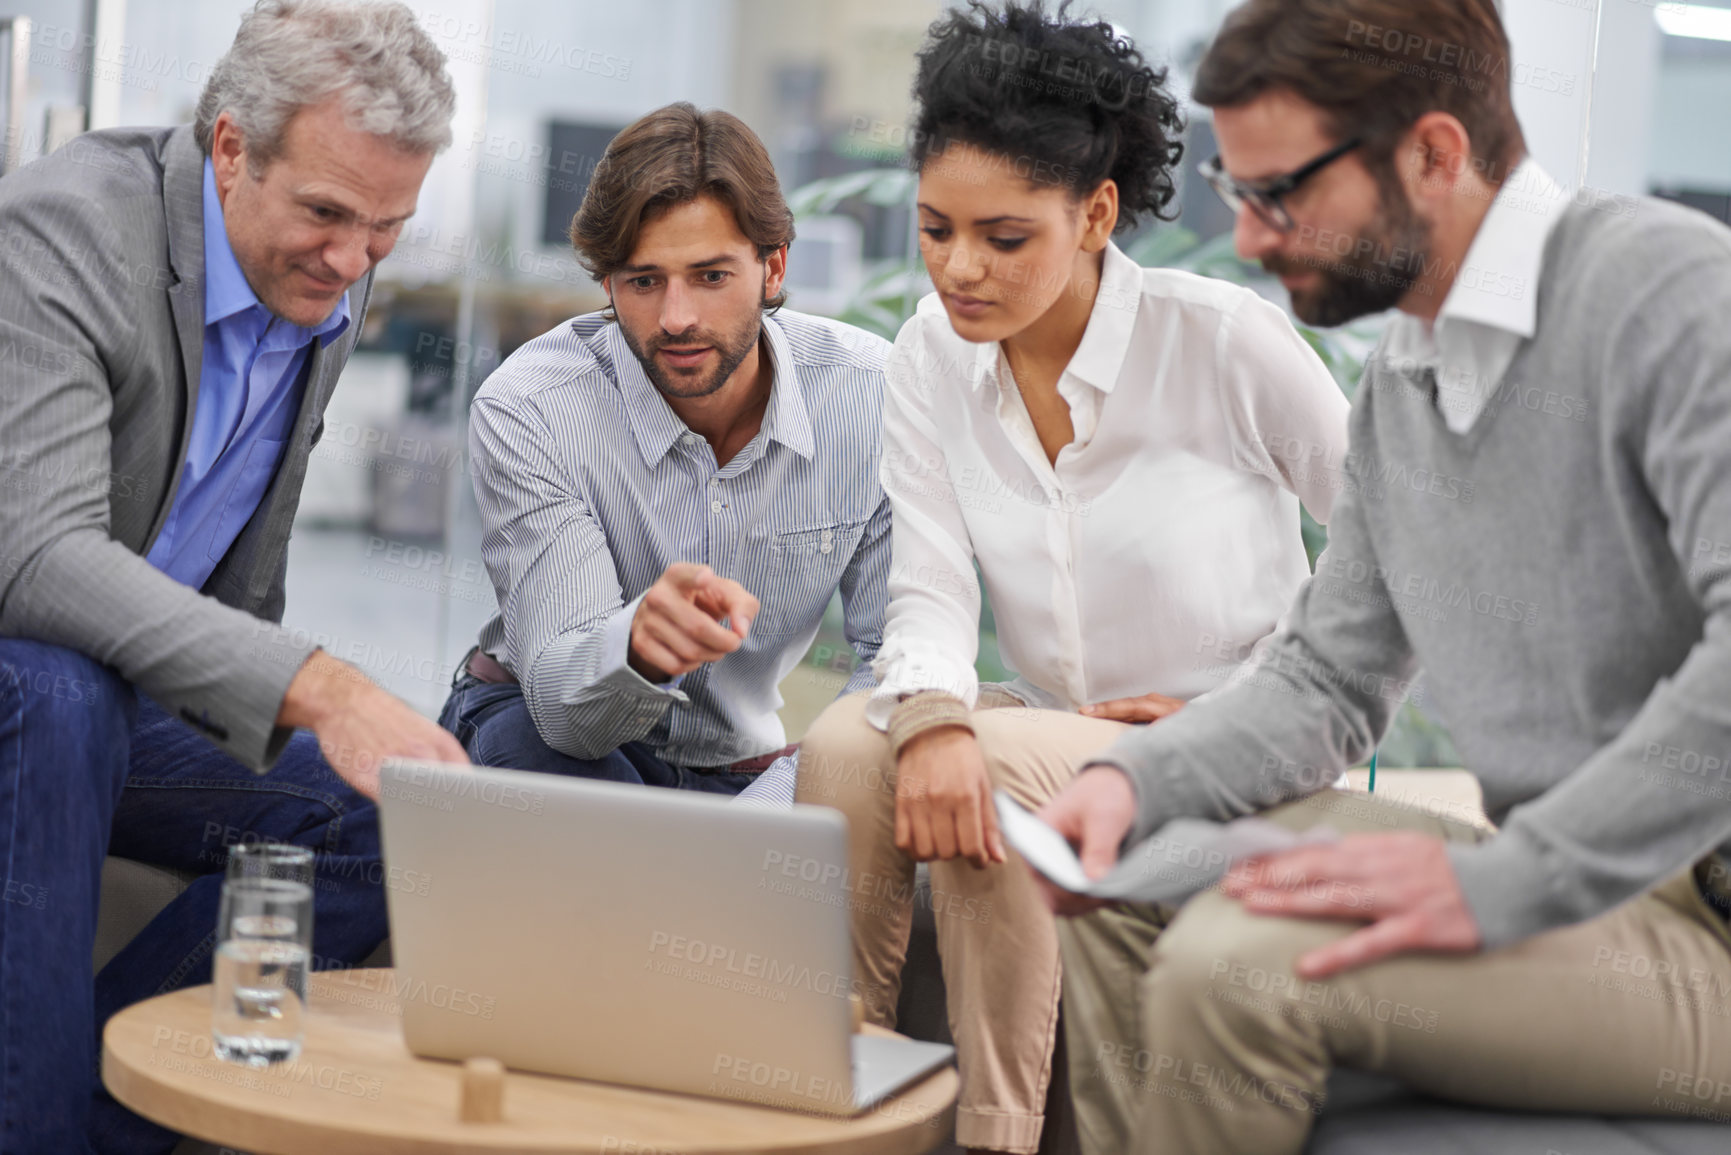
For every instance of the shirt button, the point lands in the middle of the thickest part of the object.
(715, 507)
(826, 546)
(714, 481)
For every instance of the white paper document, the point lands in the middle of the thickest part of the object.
(1183, 857)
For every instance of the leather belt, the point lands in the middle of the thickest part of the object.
(762, 762)
(483, 668)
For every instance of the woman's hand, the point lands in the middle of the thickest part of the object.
(944, 800)
(1147, 708)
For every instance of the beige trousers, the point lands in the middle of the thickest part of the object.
(1197, 1037)
(997, 942)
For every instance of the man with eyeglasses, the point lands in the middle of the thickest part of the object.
(1541, 486)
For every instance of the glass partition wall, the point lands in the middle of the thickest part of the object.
(1618, 97)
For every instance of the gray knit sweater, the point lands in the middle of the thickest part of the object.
(1561, 573)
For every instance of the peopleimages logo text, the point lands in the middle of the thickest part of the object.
(461, 784)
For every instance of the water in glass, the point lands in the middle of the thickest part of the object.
(258, 1001)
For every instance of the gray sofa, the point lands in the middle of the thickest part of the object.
(1373, 1115)
(1367, 1114)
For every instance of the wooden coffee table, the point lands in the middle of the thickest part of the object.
(356, 1090)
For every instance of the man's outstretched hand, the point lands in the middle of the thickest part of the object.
(677, 627)
(1093, 813)
(358, 724)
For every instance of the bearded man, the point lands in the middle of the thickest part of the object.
(673, 489)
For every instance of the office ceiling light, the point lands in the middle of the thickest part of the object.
(1697, 21)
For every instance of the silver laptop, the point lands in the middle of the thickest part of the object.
(633, 935)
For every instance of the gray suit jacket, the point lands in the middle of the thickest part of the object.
(101, 341)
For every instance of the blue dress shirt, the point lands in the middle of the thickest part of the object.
(249, 394)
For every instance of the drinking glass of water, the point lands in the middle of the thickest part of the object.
(264, 948)
(265, 860)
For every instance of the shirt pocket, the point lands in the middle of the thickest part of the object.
(251, 483)
(798, 571)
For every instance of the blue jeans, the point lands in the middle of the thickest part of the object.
(492, 722)
(89, 767)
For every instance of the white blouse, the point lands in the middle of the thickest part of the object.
(1164, 543)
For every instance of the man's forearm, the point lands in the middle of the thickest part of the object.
(1281, 730)
(222, 671)
(322, 688)
(584, 696)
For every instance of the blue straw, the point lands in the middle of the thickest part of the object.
(1373, 771)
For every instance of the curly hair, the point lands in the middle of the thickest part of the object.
(1070, 103)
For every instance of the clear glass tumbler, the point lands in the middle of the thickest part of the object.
(263, 953)
(271, 861)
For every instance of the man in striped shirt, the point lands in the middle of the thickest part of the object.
(673, 489)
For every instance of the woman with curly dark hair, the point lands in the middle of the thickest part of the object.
(1120, 451)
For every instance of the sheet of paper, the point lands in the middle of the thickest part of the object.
(1044, 848)
(1183, 857)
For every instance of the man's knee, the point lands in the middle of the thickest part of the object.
(59, 680)
(86, 707)
(845, 761)
(1216, 953)
(1343, 810)
(1351, 812)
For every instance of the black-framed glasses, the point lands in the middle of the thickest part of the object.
(1266, 198)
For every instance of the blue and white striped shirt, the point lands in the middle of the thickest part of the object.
(590, 487)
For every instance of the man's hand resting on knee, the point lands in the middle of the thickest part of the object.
(1402, 883)
(1093, 813)
(358, 724)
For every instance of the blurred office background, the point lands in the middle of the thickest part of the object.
(1618, 96)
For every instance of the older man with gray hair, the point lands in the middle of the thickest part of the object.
(183, 301)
